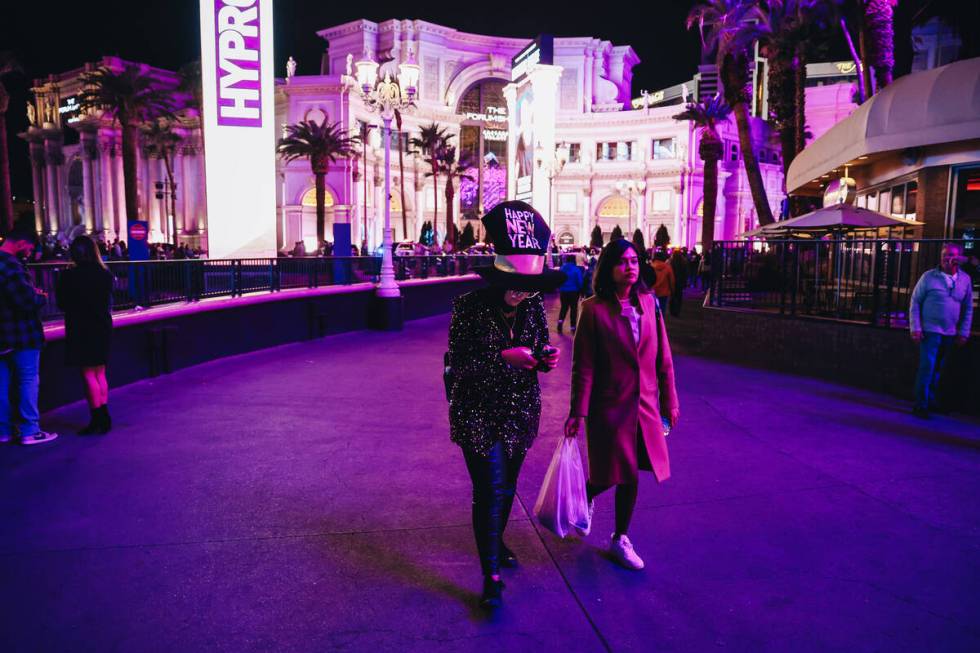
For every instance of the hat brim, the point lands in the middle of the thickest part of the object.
(547, 281)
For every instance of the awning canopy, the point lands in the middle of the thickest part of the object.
(935, 106)
(839, 217)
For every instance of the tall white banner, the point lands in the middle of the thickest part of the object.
(239, 127)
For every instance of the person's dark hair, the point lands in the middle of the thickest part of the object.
(605, 287)
(83, 250)
(660, 256)
(23, 232)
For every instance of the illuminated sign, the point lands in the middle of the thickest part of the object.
(493, 114)
(541, 50)
(239, 132)
(69, 109)
(239, 62)
(495, 134)
(846, 67)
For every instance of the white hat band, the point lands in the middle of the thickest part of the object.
(520, 263)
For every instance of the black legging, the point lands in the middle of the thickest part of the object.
(625, 502)
(494, 479)
(569, 301)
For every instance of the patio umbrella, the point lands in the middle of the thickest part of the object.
(837, 217)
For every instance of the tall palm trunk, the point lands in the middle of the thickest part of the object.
(401, 176)
(799, 86)
(450, 223)
(435, 193)
(320, 175)
(6, 199)
(752, 170)
(880, 32)
(710, 150)
(169, 168)
(130, 154)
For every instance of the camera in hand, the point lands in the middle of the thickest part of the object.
(542, 352)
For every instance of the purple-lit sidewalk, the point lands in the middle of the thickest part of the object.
(307, 498)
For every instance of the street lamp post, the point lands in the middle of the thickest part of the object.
(385, 96)
(553, 166)
(630, 186)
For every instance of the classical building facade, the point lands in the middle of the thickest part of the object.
(636, 168)
(76, 160)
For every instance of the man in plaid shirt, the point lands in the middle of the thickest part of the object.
(21, 338)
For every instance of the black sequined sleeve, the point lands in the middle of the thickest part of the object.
(538, 321)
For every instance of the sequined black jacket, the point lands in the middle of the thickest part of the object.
(488, 399)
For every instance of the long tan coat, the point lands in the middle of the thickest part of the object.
(617, 387)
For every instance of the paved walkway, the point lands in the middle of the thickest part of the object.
(307, 498)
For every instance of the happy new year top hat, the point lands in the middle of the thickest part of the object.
(520, 238)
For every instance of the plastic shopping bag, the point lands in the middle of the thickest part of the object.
(562, 504)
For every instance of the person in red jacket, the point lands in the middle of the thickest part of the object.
(622, 383)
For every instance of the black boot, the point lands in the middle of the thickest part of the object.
(492, 597)
(105, 424)
(94, 422)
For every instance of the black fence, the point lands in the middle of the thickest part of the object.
(152, 283)
(867, 281)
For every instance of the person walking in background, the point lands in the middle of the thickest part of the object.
(622, 382)
(84, 295)
(21, 339)
(940, 315)
(665, 284)
(498, 341)
(591, 261)
(678, 264)
(570, 292)
(704, 270)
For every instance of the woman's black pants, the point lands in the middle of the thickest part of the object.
(494, 479)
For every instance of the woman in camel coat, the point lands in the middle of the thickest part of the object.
(622, 382)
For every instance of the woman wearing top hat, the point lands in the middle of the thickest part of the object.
(622, 383)
(498, 342)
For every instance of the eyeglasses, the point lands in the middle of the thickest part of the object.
(523, 294)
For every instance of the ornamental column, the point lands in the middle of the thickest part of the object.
(55, 158)
(36, 149)
(93, 224)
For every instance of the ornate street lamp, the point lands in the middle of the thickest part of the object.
(553, 166)
(386, 96)
(630, 186)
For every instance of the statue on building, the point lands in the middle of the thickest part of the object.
(290, 68)
(31, 115)
(350, 65)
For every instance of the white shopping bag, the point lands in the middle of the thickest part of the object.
(562, 504)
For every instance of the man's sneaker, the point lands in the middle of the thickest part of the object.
(38, 438)
(5, 439)
(622, 551)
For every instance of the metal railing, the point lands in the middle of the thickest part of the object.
(867, 281)
(152, 283)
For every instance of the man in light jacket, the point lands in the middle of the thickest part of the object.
(940, 314)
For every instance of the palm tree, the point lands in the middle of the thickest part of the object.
(131, 98)
(454, 169)
(730, 28)
(431, 139)
(7, 65)
(706, 116)
(322, 144)
(878, 40)
(162, 141)
(190, 83)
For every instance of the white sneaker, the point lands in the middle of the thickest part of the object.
(622, 550)
(587, 528)
(38, 438)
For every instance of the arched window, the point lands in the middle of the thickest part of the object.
(309, 199)
(614, 206)
(483, 137)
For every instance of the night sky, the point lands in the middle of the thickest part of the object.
(165, 34)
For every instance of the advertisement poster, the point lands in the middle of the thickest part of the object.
(524, 151)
